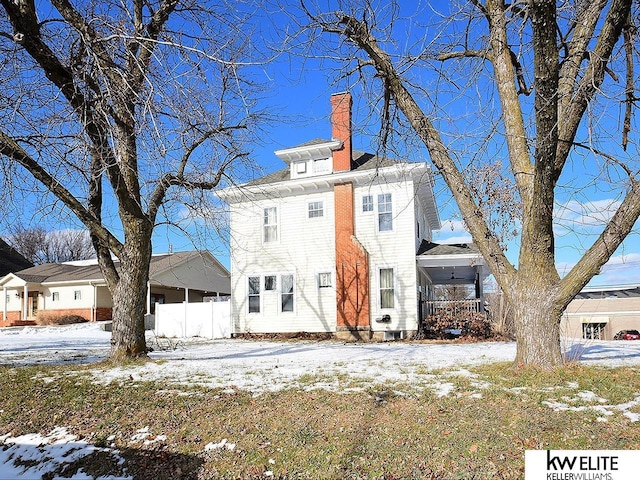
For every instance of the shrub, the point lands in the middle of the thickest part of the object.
(471, 324)
(70, 319)
(50, 318)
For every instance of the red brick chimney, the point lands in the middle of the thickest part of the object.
(341, 130)
(352, 259)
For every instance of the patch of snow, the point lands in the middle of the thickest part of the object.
(217, 446)
(34, 455)
(443, 389)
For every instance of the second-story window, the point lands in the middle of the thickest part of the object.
(385, 212)
(367, 203)
(316, 209)
(270, 224)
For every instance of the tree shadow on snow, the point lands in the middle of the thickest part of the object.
(595, 352)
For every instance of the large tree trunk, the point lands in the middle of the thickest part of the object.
(537, 327)
(130, 293)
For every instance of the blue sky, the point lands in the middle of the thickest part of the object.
(297, 91)
(305, 111)
(299, 88)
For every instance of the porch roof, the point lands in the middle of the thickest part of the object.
(449, 264)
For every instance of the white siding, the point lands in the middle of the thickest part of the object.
(305, 247)
(393, 249)
(66, 298)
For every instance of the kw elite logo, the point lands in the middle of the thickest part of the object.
(581, 464)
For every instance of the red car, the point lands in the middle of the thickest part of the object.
(627, 335)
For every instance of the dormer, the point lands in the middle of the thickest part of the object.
(311, 159)
(321, 157)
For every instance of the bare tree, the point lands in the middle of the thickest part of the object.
(110, 106)
(472, 73)
(39, 246)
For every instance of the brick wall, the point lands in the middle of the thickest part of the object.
(352, 266)
(101, 313)
(14, 318)
(341, 130)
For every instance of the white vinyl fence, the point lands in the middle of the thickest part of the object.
(208, 319)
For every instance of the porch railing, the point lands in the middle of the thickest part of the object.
(453, 306)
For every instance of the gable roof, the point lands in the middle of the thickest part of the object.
(11, 260)
(89, 270)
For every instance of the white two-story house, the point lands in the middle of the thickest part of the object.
(330, 242)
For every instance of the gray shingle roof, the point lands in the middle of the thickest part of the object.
(11, 260)
(430, 248)
(359, 161)
(64, 272)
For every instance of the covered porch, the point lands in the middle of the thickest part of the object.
(451, 265)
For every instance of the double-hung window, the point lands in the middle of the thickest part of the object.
(387, 287)
(254, 294)
(270, 224)
(367, 203)
(286, 293)
(385, 212)
(316, 209)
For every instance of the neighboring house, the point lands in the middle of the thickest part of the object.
(79, 288)
(11, 260)
(601, 312)
(338, 242)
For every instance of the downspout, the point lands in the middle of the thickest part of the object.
(186, 309)
(4, 304)
(94, 305)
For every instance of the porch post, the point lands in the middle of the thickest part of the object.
(4, 304)
(186, 295)
(94, 307)
(148, 298)
(25, 302)
(479, 290)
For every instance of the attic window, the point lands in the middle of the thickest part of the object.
(321, 165)
(301, 167)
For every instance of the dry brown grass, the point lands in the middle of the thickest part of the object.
(300, 434)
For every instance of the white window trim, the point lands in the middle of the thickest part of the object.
(395, 288)
(278, 226)
(294, 293)
(263, 282)
(377, 212)
(332, 277)
(77, 295)
(301, 168)
(324, 171)
(368, 212)
(324, 210)
(260, 295)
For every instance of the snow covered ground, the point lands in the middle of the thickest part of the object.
(258, 366)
